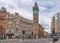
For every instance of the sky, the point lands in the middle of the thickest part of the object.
(47, 8)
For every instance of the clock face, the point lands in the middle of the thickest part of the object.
(35, 12)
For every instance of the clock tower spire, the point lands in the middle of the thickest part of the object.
(35, 13)
(35, 19)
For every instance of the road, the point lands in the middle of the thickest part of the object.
(58, 41)
(41, 40)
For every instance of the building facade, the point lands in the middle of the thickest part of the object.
(14, 23)
(55, 27)
(41, 31)
(2, 21)
(46, 34)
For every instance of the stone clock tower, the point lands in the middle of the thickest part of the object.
(35, 19)
(35, 13)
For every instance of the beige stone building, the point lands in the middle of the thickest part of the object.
(55, 27)
(16, 23)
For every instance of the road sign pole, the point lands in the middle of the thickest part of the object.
(53, 40)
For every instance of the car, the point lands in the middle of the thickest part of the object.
(56, 36)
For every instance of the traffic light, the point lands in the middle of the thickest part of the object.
(23, 31)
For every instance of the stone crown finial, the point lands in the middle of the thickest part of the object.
(35, 3)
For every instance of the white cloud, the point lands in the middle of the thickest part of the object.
(26, 1)
(47, 9)
(42, 8)
(26, 14)
(12, 6)
(46, 22)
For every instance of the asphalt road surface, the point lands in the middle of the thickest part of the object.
(41, 40)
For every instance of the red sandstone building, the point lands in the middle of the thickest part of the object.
(41, 31)
(2, 21)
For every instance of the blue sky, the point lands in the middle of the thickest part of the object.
(24, 7)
